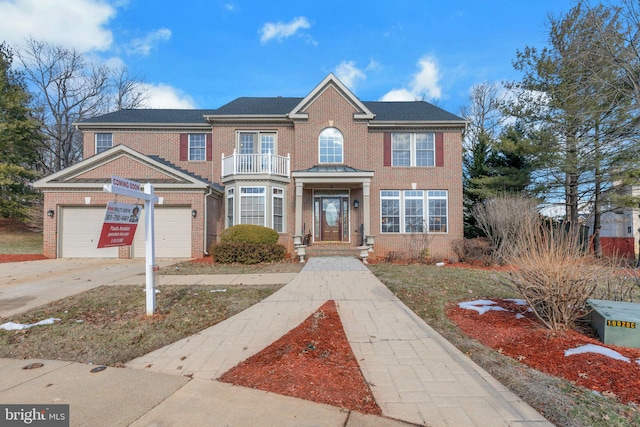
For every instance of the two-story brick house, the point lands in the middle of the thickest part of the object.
(328, 165)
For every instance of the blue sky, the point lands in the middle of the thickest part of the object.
(205, 53)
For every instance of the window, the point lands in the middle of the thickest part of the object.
(278, 209)
(331, 146)
(404, 210)
(252, 205)
(197, 146)
(413, 149)
(257, 142)
(230, 207)
(104, 141)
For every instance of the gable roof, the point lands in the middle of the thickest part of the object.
(173, 176)
(278, 109)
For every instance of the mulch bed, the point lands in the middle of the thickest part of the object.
(529, 342)
(314, 361)
(20, 257)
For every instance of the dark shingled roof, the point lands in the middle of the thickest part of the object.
(412, 111)
(152, 116)
(186, 172)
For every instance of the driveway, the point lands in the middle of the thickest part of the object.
(24, 285)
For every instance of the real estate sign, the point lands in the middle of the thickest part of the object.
(119, 226)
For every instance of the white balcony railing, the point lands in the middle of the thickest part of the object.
(271, 164)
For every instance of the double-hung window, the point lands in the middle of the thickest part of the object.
(197, 147)
(230, 207)
(277, 206)
(252, 205)
(413, 149)
(404, 211)
(104, 141)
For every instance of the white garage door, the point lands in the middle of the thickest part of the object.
(172, 233)
(80, 233)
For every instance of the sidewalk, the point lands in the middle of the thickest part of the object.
(417, 377)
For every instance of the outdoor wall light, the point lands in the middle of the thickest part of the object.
(356, 204)
(50, 213)
(194, 213)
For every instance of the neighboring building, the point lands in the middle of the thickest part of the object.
(327, 165)
(620, 228)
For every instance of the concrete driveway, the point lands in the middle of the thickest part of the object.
(24, 285)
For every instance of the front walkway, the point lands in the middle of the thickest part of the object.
(415, 374)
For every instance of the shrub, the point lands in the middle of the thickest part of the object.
(247, 253)
(249, 233)
(501, 219)
(473, 250)
(553, 274)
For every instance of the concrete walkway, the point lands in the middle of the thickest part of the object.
(416, 376)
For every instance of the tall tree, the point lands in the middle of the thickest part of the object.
(19, 138)
(68, 88)
(568, 90)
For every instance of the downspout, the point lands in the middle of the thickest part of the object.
(206, 220)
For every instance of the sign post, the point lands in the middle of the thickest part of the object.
(129, 188)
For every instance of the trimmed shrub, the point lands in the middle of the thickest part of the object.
(247, 253)
(249, 233)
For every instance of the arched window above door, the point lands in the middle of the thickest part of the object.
(331, 146)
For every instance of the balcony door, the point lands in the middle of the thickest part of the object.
(256, 146)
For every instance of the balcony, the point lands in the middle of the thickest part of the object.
(254, 164)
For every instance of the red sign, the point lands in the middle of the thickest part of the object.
(120, 223)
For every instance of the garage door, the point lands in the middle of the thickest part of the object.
(172, 233)
(80, 233)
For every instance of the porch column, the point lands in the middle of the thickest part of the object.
(366, 208)
(298, 227)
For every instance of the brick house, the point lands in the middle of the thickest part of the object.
(328, 166)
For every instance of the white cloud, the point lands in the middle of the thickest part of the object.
(281, 31)
(165, 96)
(79, 24)
(349, 74)
(425, 83)
(143, 46)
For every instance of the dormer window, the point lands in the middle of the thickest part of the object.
(331, 146)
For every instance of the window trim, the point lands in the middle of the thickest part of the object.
(277, 193)
(428, 196)
(257, 142)
(230, 216)
(263, 193)
(203, 148)
(413, 150)
(320, 161)
(95, 142)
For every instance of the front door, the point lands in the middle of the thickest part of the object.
(331, 221)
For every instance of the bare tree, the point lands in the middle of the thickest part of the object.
(128, 91)
(67, 88)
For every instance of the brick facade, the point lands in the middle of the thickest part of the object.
(330, 105)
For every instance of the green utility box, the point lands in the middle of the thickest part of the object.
(617, 323)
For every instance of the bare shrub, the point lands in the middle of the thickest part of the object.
(501, 219)
(554, 274)
(420, 245)
(623, 284)
(473, 250)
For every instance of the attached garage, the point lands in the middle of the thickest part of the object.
(80, 232)
(172, 233)
(75, 203)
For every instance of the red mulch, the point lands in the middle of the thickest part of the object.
(527, 341)
(314, 361)
(20, 257)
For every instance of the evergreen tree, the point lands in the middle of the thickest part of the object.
(19, 138)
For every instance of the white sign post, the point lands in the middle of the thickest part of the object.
(129, 188)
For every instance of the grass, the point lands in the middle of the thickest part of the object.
(20, 243)
(428, 290)
(108, 325)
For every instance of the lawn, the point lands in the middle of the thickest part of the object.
(428, 290)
